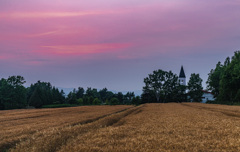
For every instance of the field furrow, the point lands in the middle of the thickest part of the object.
(55, 139)
(19, 128)
(163, 127)
(231, 111)
(147, 128)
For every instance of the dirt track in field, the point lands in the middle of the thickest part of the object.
(149, 127)
(19, 125)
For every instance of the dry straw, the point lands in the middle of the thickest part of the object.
(149, 127)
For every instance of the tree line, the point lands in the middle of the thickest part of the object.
(224, 80)
(163, 86)
(92, 96)
(13, 95)
(160, 86)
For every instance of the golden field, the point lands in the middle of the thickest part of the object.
(149, 127)
(18, 125)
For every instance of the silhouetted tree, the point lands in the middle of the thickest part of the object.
(114, 101)
(230, 80)
(12, 93)
(161, 84)
(80, 92)
(195, 88)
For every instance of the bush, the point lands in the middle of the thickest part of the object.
(136, 100)
(114, 101)
(96, 101)
(59, 105)
(80, 101)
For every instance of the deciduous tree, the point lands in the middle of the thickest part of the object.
(162, 84)
(195, 88)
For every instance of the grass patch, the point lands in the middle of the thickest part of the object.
(59, 105)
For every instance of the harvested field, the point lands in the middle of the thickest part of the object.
(18, 125)
(149, 127)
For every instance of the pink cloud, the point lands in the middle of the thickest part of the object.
(37, 15)
(2, 57)
(158, 27)
(108, 34)
(65, 50)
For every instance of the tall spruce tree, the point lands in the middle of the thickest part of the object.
(36, 98)
(224, 80)
(230, 80)
(214, 77)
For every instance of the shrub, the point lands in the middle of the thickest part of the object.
(96, 101)
(114, 101)
(80, 101)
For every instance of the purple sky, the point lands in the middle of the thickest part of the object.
(114, 43)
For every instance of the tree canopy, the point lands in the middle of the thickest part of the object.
(195, 88)
(12, 93)
(163, 86)
(159, 86)
(224, 80)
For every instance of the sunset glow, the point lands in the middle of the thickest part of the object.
(82, 49)
(116, 43)
(24, 15)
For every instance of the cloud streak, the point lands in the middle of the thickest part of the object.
(105, 33)
(27, 15)
(82, 49)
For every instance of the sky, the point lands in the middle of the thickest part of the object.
(114, 43)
